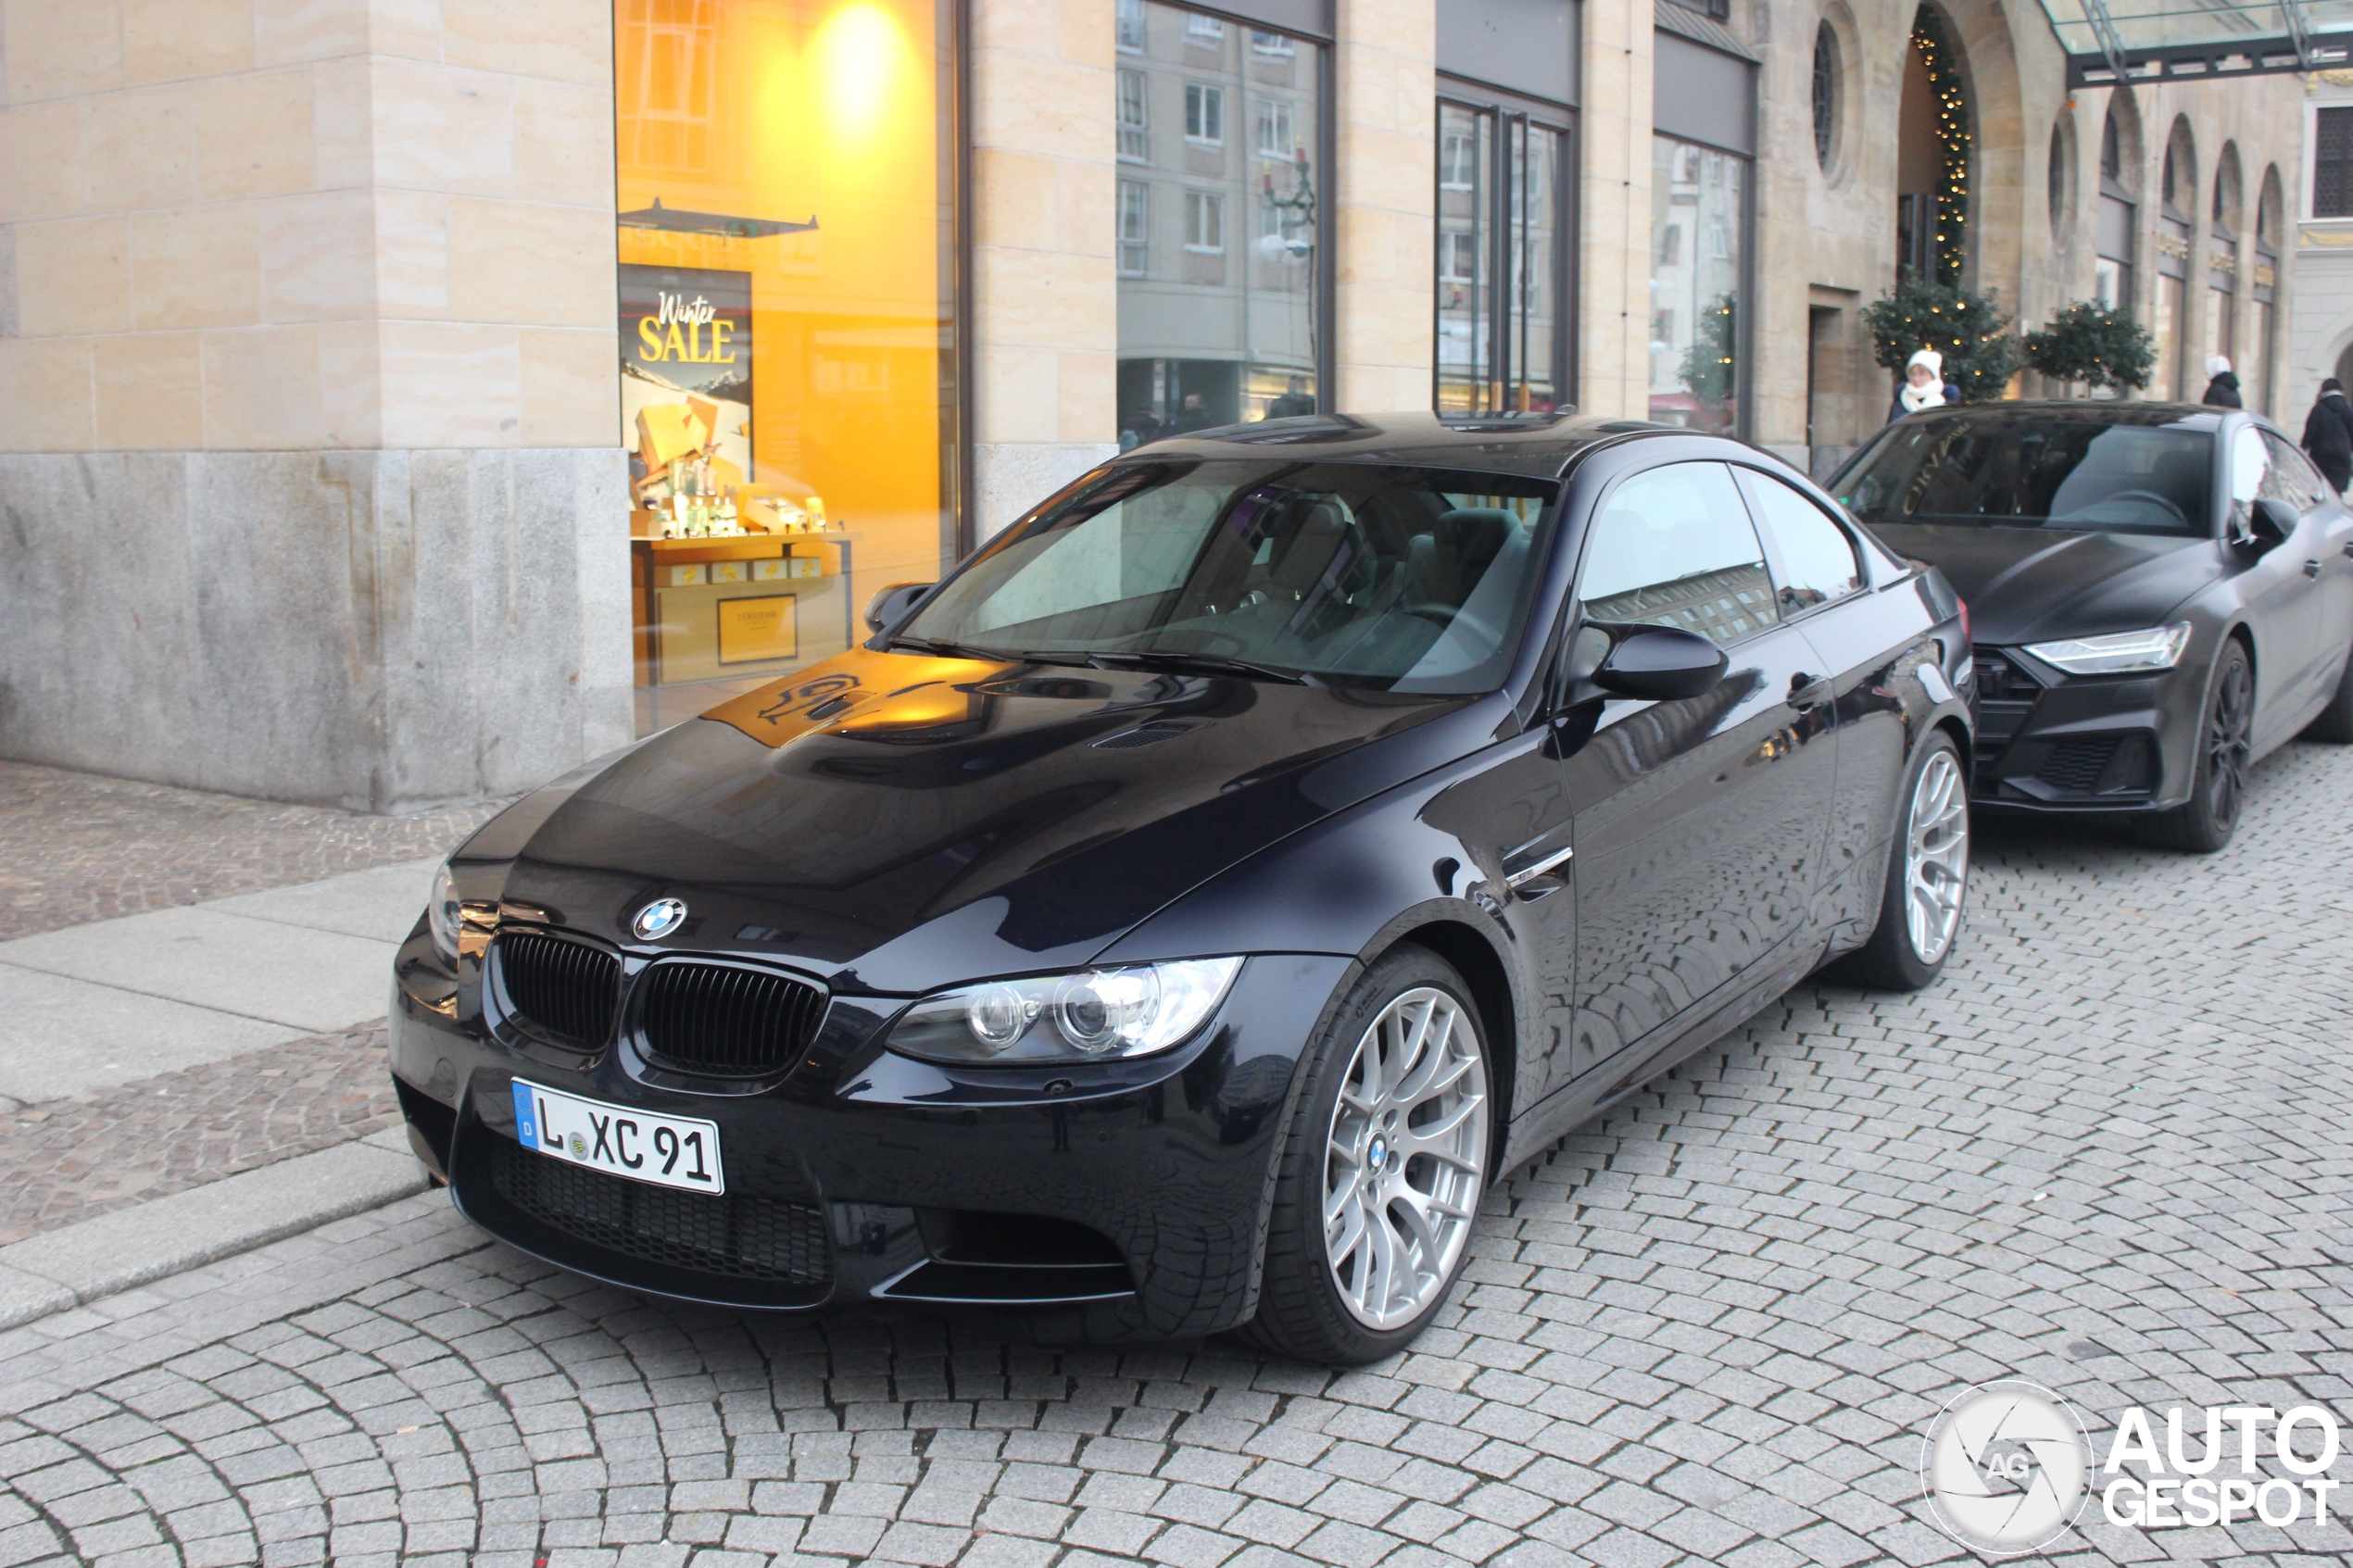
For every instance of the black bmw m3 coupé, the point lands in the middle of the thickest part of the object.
(1175, 919)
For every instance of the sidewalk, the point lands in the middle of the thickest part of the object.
(186, 1082)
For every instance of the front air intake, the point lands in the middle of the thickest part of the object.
(724, 1021)
(563, 991)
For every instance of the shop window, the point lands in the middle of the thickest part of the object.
(1134, 227)
(1220, 308)
(1204, 115)
(1135, 119)
(1503, 238)
(1696, 366)
(786, 319)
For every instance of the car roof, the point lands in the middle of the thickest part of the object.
(1532, 444)
(2185, 416)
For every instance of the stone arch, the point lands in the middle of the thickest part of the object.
(2270, 208)
(1846, 151)
(2061, 180)
(2226, 208)
(2177, 177)
(2123, 155)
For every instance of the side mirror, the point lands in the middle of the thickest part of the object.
(892, 606)
(1661, 663)
(2271, 521)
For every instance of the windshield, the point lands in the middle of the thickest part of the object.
(2058, 471)
(1408, 578)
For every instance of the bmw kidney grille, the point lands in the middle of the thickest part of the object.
(722, 1021)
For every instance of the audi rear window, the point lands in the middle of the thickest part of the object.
(2061, 470)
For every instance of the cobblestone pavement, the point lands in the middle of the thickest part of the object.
(77, 847)
(2107, 1153)
(75, 1159)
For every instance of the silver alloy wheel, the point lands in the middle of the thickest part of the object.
(1936, 857)
(1405, 1159)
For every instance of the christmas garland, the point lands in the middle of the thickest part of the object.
(1952, 132)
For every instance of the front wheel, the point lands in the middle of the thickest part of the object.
(1382, 1171)
(2205, 822)
(1919, 915)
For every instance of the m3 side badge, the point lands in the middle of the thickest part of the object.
(658, 919)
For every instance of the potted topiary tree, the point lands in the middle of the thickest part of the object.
(1980, 352)
(2097, 347)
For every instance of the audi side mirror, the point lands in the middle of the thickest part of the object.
(1661, 663)
(892, 606)
(2270, 521)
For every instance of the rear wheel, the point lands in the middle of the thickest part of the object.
(1383, 1168)
(2205, 822)
(1919, 914)
(2335, 724)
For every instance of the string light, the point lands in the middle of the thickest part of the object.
(1952, 132)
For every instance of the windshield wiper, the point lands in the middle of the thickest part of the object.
(941, 648)
(1205, 663)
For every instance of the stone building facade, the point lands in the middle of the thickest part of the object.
(2320, 208)
(386, 383)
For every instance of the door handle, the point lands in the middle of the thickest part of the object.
(1535, 869)
(1808, 691)
(2311, 569)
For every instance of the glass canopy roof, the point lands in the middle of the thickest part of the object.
(2143, 40)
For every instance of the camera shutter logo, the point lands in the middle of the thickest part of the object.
(658, 919)
(2006, 1467)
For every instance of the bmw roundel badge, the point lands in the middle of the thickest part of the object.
(658, 919)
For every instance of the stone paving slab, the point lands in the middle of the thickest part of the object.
(72, 1160)
(2108, 1153)
(76, 847)
(381, 904)
(60, 1036)
(278, 973)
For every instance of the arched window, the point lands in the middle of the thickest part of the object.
(2172, 322)
(2055, 180)
(1825, 95)
(2115, 224)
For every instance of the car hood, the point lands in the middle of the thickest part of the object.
(899, 822)
(2035, 585)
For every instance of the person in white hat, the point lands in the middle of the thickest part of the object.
(1924, 386)
(2222, 387)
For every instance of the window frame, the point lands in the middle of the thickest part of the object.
(1749, 479)
(1504, 110)
(1204, 103)
(1136, 194)
(2342, 167)
(1210, 204)
(1576, 619)
(1139, 128)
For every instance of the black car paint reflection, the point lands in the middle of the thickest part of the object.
(892, 823)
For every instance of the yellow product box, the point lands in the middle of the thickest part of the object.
(687, 576)
(731, 570)
(769, 570)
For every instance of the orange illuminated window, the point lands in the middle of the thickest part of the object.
(786, 190)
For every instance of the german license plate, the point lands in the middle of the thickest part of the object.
(671, 1151)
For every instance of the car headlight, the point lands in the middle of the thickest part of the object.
(1095, 1015)
(2160, 648)
(445, 916)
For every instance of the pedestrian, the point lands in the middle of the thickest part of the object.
(2328, 435)
(1924, 386)
(2222, 386)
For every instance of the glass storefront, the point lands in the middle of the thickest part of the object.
(1218, 212)
(1503, 256)
(1698, 214)
(786, 180)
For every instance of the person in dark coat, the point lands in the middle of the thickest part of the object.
(2328, 435)
(2222, 387)
(1924, 386)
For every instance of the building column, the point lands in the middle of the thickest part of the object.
(1044, 313)
(1613, 222)
(1385, 214)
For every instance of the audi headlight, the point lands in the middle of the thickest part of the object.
(1096, 1015)
(445, 916)
(2120, 653)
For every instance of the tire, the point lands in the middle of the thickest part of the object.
(1394, 1277)
(2205, 822)
(1919, 910)
(2334, 726)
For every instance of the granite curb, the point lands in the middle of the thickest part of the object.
(99, 1257)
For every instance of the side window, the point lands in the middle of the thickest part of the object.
(2293, 479)
(1817, 559)
(1675, 546)
(2250, 475)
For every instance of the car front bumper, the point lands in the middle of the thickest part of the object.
(865, 1175)
(2050, 741)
